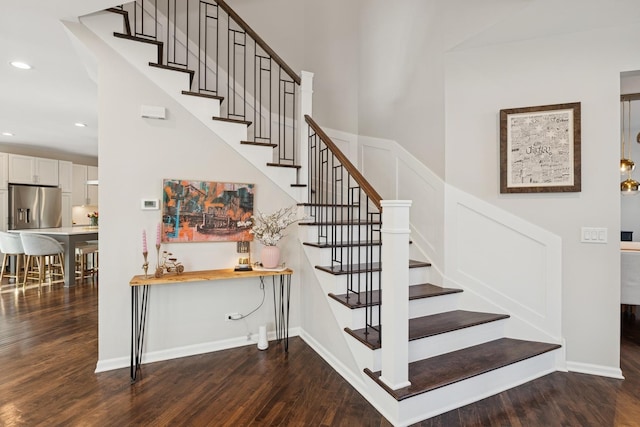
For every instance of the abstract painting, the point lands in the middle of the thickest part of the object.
(206, 211)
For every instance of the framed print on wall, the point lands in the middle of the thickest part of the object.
(206, 211)
(540, 149)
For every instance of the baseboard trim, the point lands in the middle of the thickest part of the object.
(191, 350)
(602, 371)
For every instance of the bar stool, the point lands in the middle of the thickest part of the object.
(85, 252)
(40, 248)
(11, 245)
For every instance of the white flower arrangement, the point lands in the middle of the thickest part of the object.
(268, 228)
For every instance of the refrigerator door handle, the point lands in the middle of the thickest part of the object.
(23, 215)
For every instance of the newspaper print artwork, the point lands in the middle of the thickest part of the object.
(538, 149)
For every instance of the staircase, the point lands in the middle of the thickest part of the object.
(422, 352)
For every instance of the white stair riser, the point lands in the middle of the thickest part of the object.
(434, 305)
(325, 234)
(341, 282)
(333, 212)
(337, 284)
(419, 275)
(363, 355)
(455, 340)
(353, 318)
(349, 255)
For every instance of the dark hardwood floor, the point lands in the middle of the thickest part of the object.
(48, 352)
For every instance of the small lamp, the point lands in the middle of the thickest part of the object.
(244, 261)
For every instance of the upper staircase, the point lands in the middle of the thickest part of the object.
(419, 350)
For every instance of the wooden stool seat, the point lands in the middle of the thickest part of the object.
(86, 259)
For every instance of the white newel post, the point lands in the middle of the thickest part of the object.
(306, 108)
(395, 293)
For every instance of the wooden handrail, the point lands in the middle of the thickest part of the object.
(355, 173)
(258, 40)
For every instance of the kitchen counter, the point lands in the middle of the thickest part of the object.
(68, 236)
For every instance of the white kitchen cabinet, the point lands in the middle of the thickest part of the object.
(4, 210)
(92, 189)
(65, 176)
(83, 194)
(67, 210)
(32, 170)
(4, 171)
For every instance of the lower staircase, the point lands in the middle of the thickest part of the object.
(456, 355)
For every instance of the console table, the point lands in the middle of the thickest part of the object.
(140, 300)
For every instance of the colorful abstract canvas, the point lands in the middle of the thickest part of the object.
(206, 211)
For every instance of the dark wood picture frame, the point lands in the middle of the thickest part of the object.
(540, 149)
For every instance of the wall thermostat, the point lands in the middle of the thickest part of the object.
(150, 204)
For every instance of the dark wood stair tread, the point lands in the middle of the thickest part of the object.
(259, 144)
(342, 244)
(332, 205)
(172, 68)
(137, 38)
(361, 268)
(439, 371)
(424, 290)
(298, 185)
(226, 119)
(284, 165)
(428, 326)
(345, 223)
(203, 95)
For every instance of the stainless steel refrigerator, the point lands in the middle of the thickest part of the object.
(34, 207)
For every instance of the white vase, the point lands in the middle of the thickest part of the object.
(270, 256)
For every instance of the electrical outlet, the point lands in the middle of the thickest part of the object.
(232, 316)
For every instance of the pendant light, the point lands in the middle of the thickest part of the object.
(628, 187)
(626, 164)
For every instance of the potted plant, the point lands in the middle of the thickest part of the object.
(268, 229)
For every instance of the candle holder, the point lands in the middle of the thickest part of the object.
(145, 266)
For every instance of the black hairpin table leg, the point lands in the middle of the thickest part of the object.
(138, 323)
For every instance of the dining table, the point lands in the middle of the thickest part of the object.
(69, 237)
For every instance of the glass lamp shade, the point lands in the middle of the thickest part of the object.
(629, 187)
(627, 165)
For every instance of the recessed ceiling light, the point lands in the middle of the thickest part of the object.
(7, 134)
(80, 125)
(21, 65)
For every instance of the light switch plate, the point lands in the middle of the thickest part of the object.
(593, 235)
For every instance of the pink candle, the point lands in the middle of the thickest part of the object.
(158, 235)
(144, 241)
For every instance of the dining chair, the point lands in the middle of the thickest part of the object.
(48, 255)
(11, 245)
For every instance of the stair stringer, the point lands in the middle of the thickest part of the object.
(139, 55)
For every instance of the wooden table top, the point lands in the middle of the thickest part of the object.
(203, 275)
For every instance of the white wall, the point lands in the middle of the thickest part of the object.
(401, 80)
(577, 67)
(135, 155)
